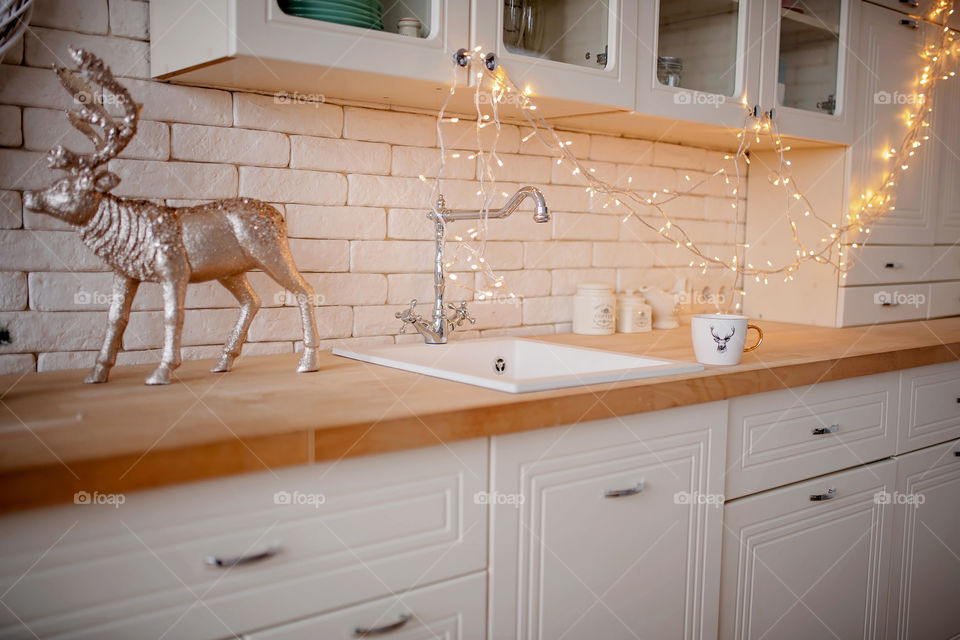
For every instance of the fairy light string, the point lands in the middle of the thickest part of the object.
(495, 87)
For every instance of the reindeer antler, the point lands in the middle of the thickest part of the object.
(92, 115)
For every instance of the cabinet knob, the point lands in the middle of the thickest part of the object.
(913, 24)
(819, 497)
(892, 265)
(226, 563)
(819, 431)
(911, 3)
(363, 632)
(623, 493)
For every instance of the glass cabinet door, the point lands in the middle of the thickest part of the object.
(808, 61)
(805, 71)
(697, 62)
(697, 45)
(580, 51)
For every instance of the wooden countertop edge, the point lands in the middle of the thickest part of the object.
(56, 483)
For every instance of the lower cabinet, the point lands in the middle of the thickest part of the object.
(809, 560)
(609, 529)
(452, 610)
(925, 559)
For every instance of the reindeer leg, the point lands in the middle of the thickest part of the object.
(174, 293)
(124, 289)
(240, 287)
(288, 277)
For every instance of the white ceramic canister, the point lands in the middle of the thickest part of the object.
(409, 27)
(594, 310)
(633, 313)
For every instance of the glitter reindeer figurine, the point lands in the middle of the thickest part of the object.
(147, 242)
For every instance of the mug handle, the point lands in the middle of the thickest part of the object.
(759, 337)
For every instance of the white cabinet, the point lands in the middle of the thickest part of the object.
(924, 575)
(609, 529)
(929, 406)
(576, 56)
(946, 127)
(714, 60)
(780, 437)
(452, 610)
(893, 43)
(223, 557)
(809, 560)
(253, 44)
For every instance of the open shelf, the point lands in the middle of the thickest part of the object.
(810, 21)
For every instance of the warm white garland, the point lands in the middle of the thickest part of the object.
(648, 208)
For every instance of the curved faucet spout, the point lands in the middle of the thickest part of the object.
(540, 214)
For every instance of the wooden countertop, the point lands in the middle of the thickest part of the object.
(59, 436)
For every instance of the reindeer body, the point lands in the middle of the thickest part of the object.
(147, 242)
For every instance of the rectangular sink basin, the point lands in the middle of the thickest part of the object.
(516, 365)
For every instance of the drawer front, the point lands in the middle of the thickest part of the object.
(780, 437)
(944, 299)
(797, 563)
(946, 263)
(929, 406)
(883, 303)
(882, 264)
(452, 610)
(317, 537)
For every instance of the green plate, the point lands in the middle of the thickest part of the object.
(334, 15)
(364, 23)
(355, 7)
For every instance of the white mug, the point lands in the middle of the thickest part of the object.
(720, 338)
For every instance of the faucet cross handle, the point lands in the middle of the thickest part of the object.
(408, 316)
(460, 314)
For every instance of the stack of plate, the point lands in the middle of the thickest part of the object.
(357, 13)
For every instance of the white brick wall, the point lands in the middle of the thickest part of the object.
(347, 180)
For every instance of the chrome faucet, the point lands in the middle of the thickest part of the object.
(436, 332)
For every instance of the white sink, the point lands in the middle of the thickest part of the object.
(516, 365)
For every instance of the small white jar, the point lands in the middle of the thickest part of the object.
(634, 315)
(409, 27)
(594, 310)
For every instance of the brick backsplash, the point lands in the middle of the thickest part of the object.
(345, 177)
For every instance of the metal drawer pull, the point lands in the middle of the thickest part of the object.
(892, 265)
(913, 24)
(890, 304)
(819, 497)
(225, 563)
(912, 3)
(957, 453)
(361, 632)
(819, 431)
(623, 493)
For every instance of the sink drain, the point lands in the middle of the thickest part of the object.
(499, 365)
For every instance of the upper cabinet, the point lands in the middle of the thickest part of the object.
(581, 52)
(715, 61)
(806, 82)
(697, 61)
(286, 46)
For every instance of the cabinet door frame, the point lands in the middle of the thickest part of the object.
(656, 99)
(917, 472)
(575, 89)
(800, 122)
(534, 463)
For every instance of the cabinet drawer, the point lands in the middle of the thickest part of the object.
(946, 263)
(924, 581)
(780, 437)
(452, 610)
(883, 303)
(929, 406)
(340, 533)
(944, 299)
(882, 264)
(796, 563)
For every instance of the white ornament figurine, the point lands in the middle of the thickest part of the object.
(146, 242)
